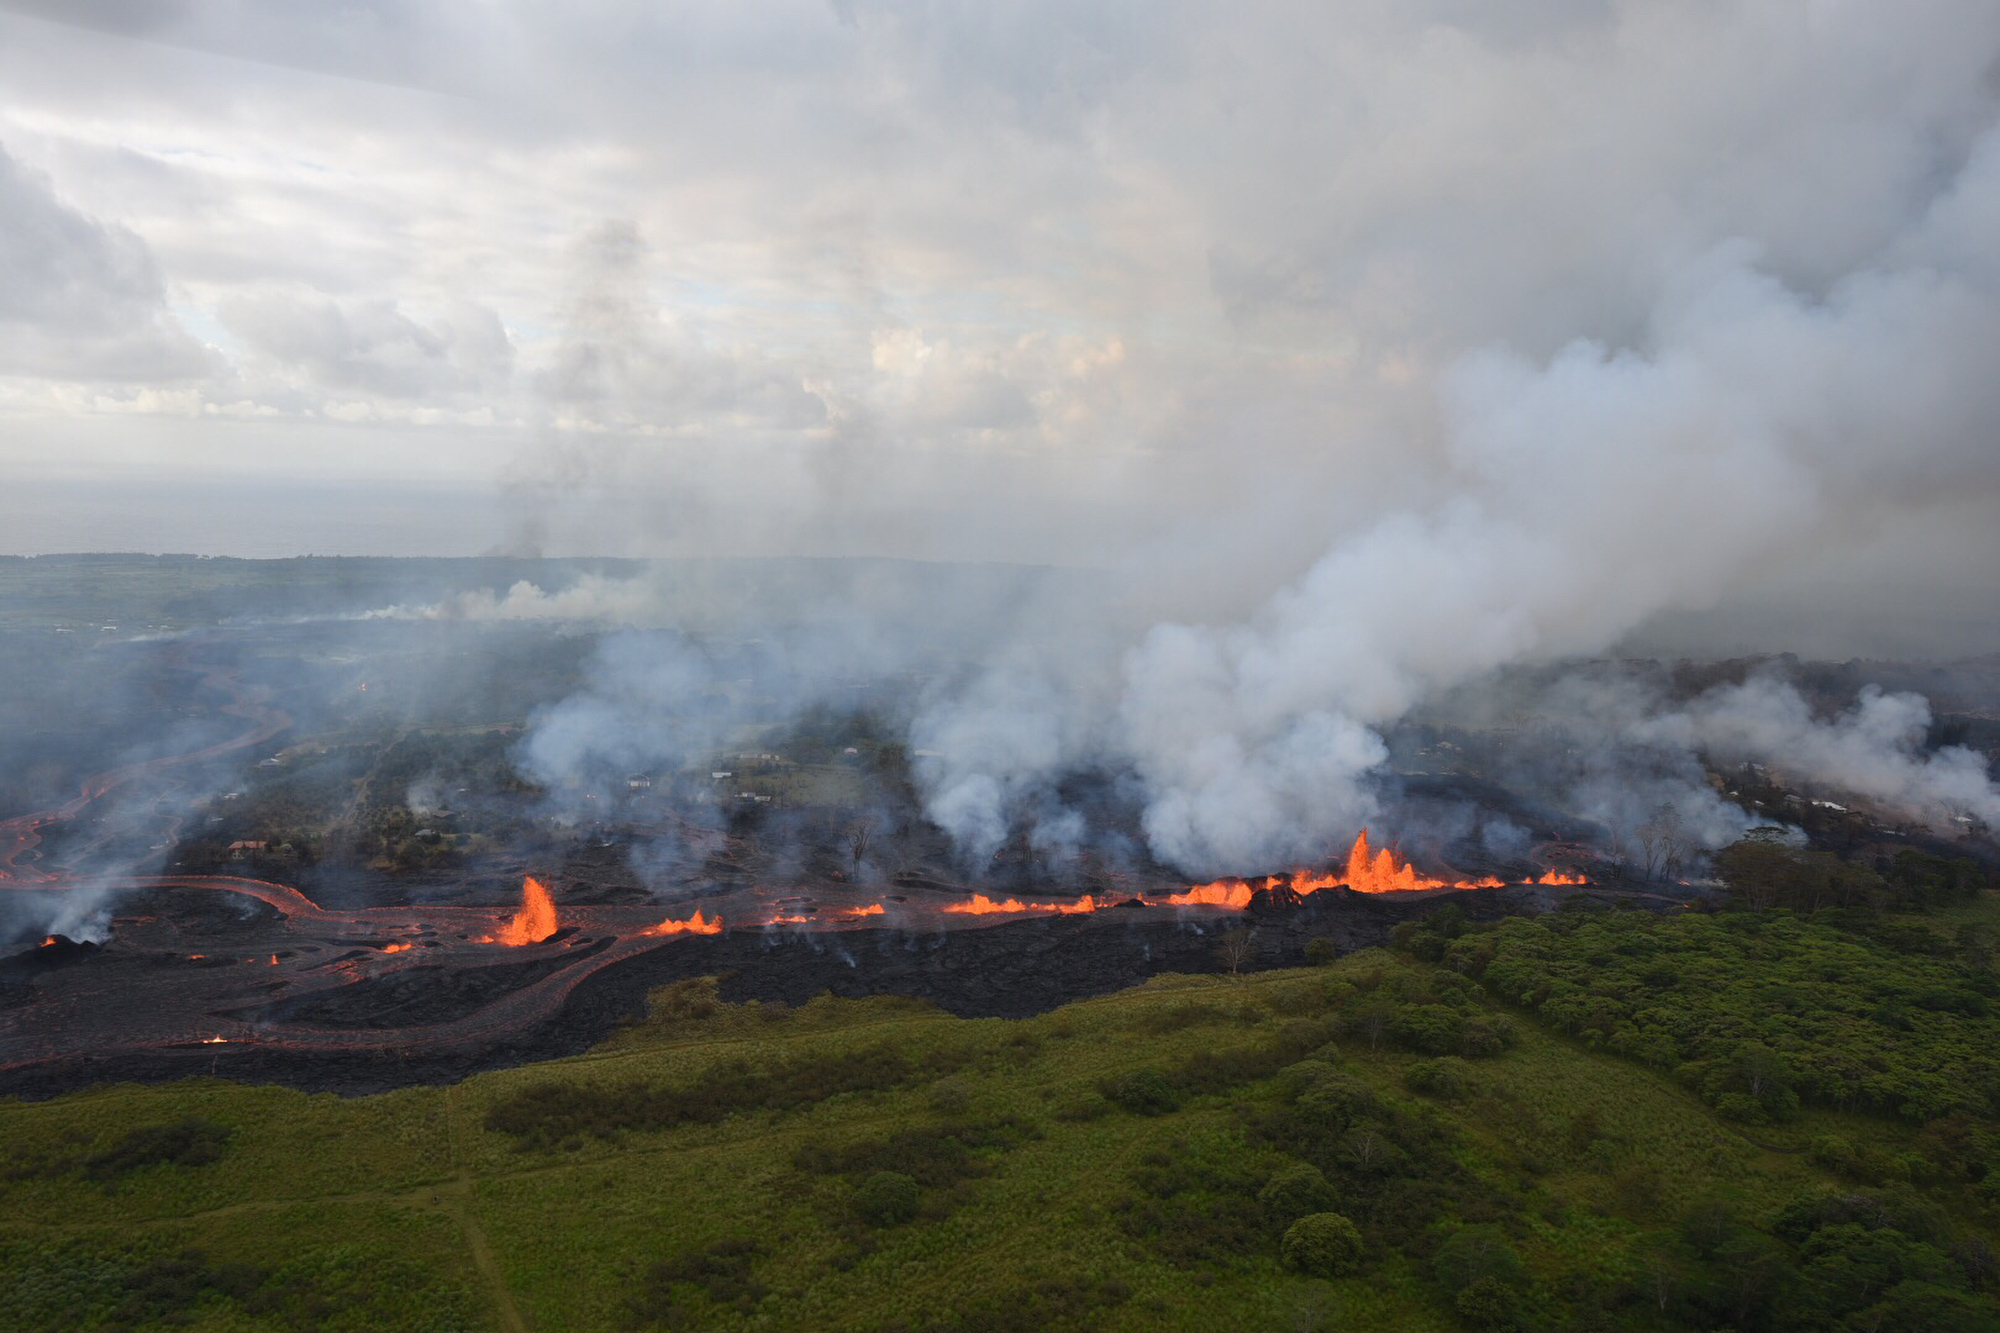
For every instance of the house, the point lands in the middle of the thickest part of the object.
(244, 847)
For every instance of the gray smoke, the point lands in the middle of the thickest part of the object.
(1573, 322)
(1873, 750)
(1585, 494)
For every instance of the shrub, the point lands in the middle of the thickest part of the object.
(1485, 1036)
(190, 1142)
(1488, 1303)
(1320, 951)
(1478, 1254)
(1322, 1245)
(1032, 1306)
(887, 1199)
(951, 1096)
(1447, 1077)
(1143, 1092)
(1296, 1190)
(1834, 1153)
(725, 1272)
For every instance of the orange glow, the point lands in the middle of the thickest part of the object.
(48, 942)
(536, 920)
(400, 948)
(1558, 877)
(1385, 872)
(694, 925)
(274, 960)
(1367, 871)
(1221, 893)
(981, 905)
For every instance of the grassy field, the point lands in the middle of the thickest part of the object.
(876, 1164)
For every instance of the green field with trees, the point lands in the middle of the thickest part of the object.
(1596, 1119)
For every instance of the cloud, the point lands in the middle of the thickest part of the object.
(372, 347)
(81, 299)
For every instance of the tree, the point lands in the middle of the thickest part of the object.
(1368, 1150)
(1664, 842)
(1760, 1075)
(1296, 1191)
(857, 845)
(1322, 1245)
(1663, 1273)
(1235, 950)
(1475, 1254)
(1372, 1018)
(1488, 1303)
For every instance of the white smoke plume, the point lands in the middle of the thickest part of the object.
(1542, 328)
(1874, 750)
(1583, 495)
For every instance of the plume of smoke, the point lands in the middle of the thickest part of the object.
(1737, 402)
(1874, 750)
(1583, 496)
(592, 598)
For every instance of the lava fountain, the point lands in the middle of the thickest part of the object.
(536, 920)
(694, 925)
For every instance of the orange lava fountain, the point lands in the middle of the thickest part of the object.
(536, 920)
(1367, 870)
(49, 942)
(694, 925)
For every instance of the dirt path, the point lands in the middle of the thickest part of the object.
(458, 1203)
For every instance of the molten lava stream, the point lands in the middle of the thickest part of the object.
(981, 905)
(536, 920)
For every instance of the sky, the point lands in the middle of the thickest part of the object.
(1187, 289)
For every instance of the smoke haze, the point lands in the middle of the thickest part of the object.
(1357, 353)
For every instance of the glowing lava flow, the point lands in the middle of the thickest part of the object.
(981, 905)
(536, 920)
(1558, 877)
(1367, 871)
(694, 925)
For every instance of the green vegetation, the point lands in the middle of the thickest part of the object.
(1602, 1120)
(1322, 1245)
(1758, 1011)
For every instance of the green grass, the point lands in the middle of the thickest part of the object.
(1585, 1155)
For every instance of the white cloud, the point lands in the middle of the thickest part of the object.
(80, 299)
